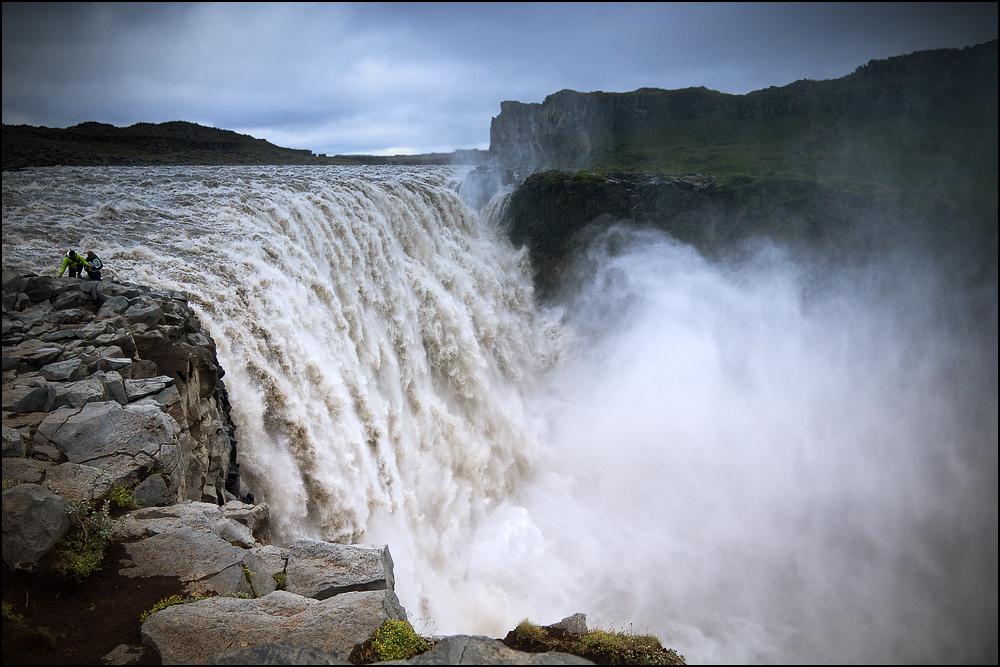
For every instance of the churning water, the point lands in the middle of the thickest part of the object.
(750, 461)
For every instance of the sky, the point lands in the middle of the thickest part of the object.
(405, 78)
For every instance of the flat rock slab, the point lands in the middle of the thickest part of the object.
(203, 561)
(478, 650)
(128, 442)
(189, 634)
(201, 516)
(276, 654)
(320, 570)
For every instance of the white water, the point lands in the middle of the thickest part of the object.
(753, 464)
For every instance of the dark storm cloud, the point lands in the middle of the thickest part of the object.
(342, 78)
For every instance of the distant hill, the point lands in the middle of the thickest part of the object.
(904, 120)
(175, 143)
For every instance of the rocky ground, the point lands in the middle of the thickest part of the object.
(117, 442)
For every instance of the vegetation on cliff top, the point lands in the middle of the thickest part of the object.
(902, 122)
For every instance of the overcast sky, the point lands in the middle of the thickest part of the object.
(415, 78)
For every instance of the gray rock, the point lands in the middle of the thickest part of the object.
(276, 654)
(77, 482)
(60, 335)
(24, 471)
(146, 313)
(112, 364)
(116, 305)
(70, 316)
(192, 633)
(42, 288)
(77, 394)
(200, 559)
(129, 442)
(21, 399)
(478, 650)
(153, 491)
(34, 520)
(128, 654)
(136, 389)
(114, 384)
(41, 451)
(201, 516)
(576, 624)
(14, 444)
(69, 299)
(62, 371)
(13, 282)
(321, 570)
(255, 517)
(272, 558)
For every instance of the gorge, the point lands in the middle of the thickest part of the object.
(772, 442)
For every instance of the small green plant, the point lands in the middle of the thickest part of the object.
(621, 648)
(163, 604)
(397, 640)
(605, 647)
(11, 483)
(83, 547)
(122, 498)
(9, 615)
(527, 632)
(179, 599)
(279, 580)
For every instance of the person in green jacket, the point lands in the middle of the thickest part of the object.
(75, 263)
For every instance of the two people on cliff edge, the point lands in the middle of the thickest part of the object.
(77, 265)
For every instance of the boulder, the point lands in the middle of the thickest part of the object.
(201, 516)
(575, 624)
(192, 633)
(76, 482)
(24, 471)
(478, 650)
(34, 520)
(77, 394)
(200, 559)
(62, 371)
(321, 570)
(146, 312)
(255, 517)
(128, 654)
(14, 444)
(21, 399)
(282, 653)
(129, 442)
(272, 558)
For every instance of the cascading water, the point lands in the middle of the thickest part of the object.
(752, 465)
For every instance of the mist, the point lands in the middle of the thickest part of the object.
(762, 460)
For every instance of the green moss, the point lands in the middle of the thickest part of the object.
(600, 646)
(397, 640)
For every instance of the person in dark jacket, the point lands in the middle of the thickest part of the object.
(75, 263)
(94, 265)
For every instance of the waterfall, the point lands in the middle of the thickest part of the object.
(754, 460)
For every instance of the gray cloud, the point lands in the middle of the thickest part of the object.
(347, 78)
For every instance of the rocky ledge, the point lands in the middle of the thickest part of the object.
(112, 388)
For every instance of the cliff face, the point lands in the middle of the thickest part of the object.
(572, 130)
(80, 357)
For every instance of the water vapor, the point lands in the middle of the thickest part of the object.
(762, 464)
